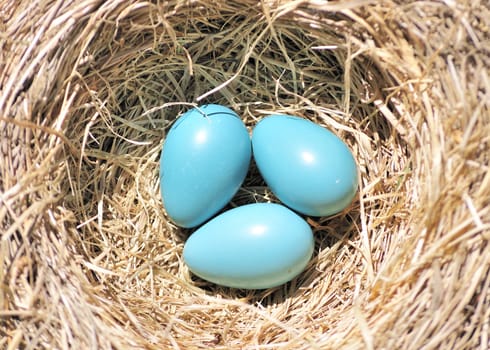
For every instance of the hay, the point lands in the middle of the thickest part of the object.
(88, 89)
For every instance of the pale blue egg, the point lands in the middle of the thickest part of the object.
(254, 246)
(203, 163)
(306, 166)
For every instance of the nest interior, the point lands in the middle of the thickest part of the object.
(89, 88)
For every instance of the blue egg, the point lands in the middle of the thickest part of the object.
(306, 166)
(203, 163)
(254, 246)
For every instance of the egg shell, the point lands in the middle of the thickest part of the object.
(203, 163)
(306, 166)
(255, 246)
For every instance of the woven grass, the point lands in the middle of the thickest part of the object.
(88, 258)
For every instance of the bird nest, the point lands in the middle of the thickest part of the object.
(88, 90)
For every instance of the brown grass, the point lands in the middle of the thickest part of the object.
(88, 88)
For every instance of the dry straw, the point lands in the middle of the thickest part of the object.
(87, 91)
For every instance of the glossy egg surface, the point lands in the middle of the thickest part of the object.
(255, 246)
(204, 161)
(306, 166)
